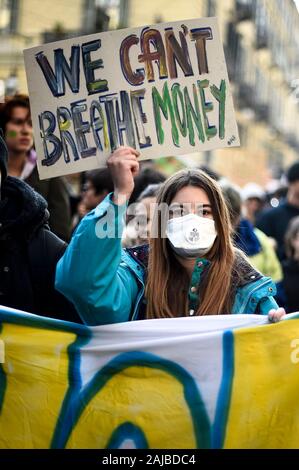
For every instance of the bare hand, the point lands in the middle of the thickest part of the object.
(276, 315)
(123, 166)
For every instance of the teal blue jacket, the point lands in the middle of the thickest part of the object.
(106, 283)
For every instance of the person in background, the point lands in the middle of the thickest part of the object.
(192, 266)
(252, 241)
(97, 184)
(288, 290)
(15, 120)
(29, 251)
(274, 222)
(140, 217)
(145, 177)
(254, 198)
(276, 192)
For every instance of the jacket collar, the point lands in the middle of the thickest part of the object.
(22, 210)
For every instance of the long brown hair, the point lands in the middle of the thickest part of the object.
(168, 282)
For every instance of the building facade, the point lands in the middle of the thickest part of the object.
(28, 23)
(261, 44)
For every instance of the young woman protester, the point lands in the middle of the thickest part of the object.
(191, 267)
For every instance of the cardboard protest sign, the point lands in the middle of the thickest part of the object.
(162, 89)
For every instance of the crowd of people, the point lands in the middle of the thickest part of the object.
(135, 245)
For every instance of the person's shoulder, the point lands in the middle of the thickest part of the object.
(252, 282)
(260, 234)
(46, 244)
(251, 287)
(243, 272)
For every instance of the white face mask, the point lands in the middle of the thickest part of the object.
(191, 236)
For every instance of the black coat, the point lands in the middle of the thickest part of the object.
(29, 252)
(274, 223)
(291, 284)
(55, 192)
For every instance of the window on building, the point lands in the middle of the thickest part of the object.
(231, 50)
(9, 10)
(243, 134)
(211, 9)
(4, 15)
(245, 9)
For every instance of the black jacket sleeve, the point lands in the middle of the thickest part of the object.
(45, 249)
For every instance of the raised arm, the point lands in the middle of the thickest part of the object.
(90, 274)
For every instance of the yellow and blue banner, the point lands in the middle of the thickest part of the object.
(227, 381)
